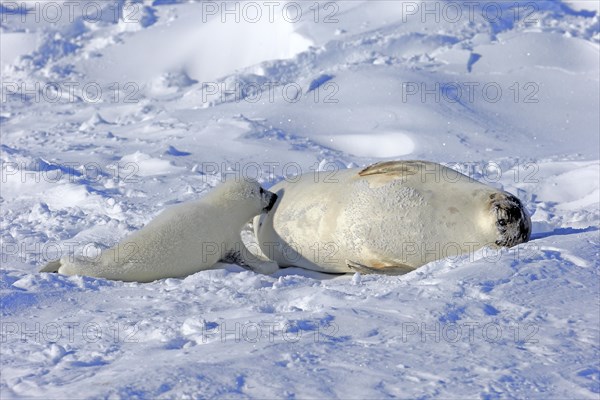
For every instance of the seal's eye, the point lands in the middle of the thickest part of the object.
(502, 222)
(262, 191)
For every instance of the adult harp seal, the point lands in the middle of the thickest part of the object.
(390, 217)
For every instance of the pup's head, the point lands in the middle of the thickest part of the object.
(247, 190)
(512, 220)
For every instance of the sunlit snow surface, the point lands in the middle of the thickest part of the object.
(137, 114)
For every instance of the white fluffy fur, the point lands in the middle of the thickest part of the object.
(182, 240)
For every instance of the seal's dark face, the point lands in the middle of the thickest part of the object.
(268, 198)
(512, 220)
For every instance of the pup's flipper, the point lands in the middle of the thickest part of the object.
(251, 262)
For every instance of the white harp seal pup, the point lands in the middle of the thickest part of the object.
(183, 239)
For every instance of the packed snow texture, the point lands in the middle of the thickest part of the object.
(114, 110)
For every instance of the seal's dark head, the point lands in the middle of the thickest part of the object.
(512, 220)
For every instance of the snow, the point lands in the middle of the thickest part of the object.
(381, 144)
(579, 5)
(145, 165)
(132, 115)
(15, 44)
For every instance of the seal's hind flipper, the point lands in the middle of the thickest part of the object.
(384, 269)
(52, 266)
(398, 168)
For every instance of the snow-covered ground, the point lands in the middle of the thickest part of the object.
(113, 110)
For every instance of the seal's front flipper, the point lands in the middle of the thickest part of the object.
(52, 266)
(384, 269)
(398, 169)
